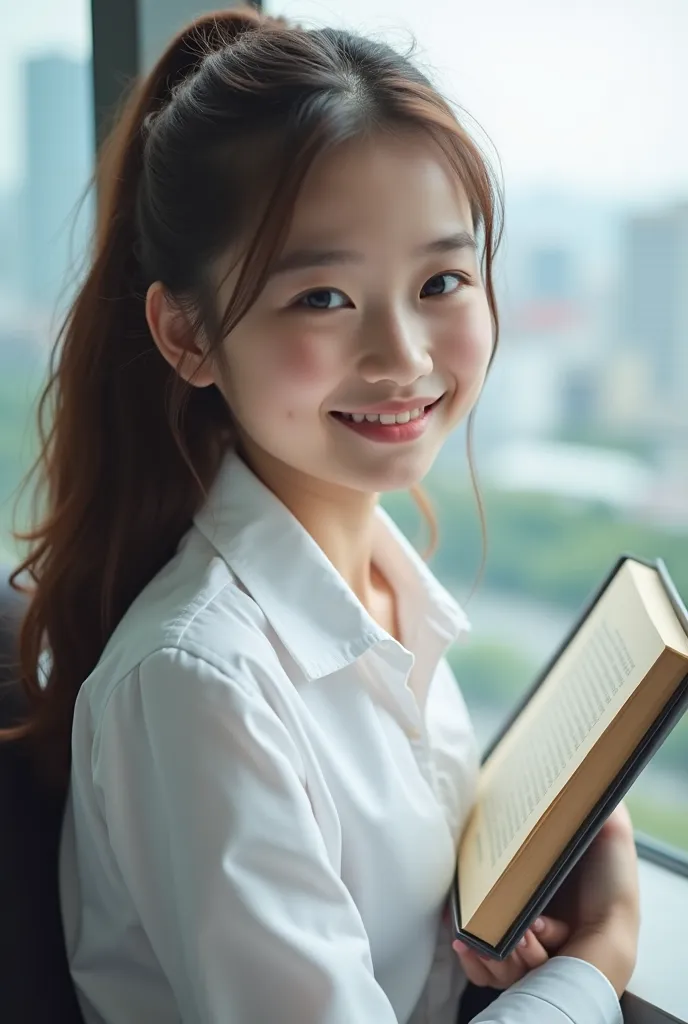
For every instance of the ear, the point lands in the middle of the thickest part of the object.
(175, 338)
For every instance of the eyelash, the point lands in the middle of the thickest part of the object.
(300, 304)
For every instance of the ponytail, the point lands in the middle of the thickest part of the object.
(114, 473)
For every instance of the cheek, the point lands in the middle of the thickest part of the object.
(280, 372)
(303, 361)
(469, 346)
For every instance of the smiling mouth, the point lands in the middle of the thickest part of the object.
(387, 419)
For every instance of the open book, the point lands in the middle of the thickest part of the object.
(579, 739)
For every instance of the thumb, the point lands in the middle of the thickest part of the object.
(551, 933)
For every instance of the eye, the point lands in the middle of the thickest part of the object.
(442, 284)
(321, 299)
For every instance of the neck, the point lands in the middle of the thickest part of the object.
(341, 521)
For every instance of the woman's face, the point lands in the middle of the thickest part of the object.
(372, 336)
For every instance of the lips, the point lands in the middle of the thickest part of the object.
(389, 413)
(386, 418)
(389, 427)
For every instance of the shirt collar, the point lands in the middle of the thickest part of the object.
(287, 574)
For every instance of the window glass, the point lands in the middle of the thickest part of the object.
(581, 433)
(46, 157)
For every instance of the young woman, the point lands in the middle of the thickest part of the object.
(290, 307)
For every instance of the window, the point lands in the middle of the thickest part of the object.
(46, 157)
(581, 431)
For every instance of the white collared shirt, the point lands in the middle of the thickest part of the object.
(267, 793)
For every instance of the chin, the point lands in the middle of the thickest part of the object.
(398, 475)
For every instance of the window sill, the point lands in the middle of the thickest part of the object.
(658, 991)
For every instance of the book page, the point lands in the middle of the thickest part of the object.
(607, 659)
(659, 607)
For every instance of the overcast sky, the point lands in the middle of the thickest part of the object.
(588, 95)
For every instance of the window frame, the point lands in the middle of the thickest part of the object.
(657, 852)
(115, 59)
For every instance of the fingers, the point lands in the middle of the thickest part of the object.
(530, 952)
(486, 972)
(551, 933)
(474, 967)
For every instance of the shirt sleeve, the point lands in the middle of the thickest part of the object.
(211, 827)
(565, 990)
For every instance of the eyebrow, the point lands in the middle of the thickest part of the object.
(302, 259)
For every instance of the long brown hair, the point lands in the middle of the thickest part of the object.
(213, 143)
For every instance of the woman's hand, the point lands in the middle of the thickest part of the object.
(545, 936)
(602, 902)
(596, 918)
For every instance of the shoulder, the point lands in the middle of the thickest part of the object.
(194, 619)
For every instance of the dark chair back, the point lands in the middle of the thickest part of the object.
(35, 984)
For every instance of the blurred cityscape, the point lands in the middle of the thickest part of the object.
(581, 433)
(588, 395)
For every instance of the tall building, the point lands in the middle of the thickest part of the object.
(552, 274)
(11, 252)
(59, 149)
(653, 304)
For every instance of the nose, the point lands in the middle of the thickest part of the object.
(395, 348)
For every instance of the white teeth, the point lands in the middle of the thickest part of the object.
(386, 418)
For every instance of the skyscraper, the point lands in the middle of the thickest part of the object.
(653, 310)
(552, 274)
(59, 151)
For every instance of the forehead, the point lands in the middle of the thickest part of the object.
(372, 184)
